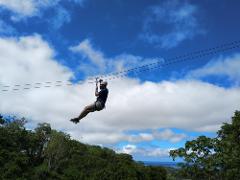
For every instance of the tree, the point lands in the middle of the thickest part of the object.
(44, 153)
(228, 148)
(212, 158)
(13, 158)
(56, 152)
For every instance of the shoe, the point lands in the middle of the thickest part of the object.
(75, 120)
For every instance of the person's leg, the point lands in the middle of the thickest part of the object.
(86, 110)
(84, 113)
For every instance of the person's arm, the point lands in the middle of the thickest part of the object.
(96, 91)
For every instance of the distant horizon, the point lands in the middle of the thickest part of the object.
(164, 164)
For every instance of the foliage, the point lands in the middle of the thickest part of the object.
(212, 158)
(44, 153)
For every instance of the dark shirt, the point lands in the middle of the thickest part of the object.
(103, 94)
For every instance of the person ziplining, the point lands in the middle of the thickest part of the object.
(98, 105)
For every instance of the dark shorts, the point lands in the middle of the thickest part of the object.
(98, 106)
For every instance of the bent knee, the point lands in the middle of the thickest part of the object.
(89, 108)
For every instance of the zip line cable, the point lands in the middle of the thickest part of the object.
(38, 85)
(170, 61)
(196, 54)
(136, 70)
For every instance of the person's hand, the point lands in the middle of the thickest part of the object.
(96, 82)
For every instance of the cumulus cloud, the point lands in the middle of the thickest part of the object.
(113, 137)
(132, 105)
(128, 149)
(62, 16)
(189, 105)
(223, 66)
(140, 137)
(145, 152)
(29, 8)
(169, 135)
(25, 8)
(95, 56)
(97, 62)
(178, 19)
(25, 60)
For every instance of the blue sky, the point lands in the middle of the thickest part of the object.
(148, 114)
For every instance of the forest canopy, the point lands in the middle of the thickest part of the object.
(44, 153)
(212, 158)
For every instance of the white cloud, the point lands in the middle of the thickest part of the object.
(95, 56)
(25, 8)
(158, 152)
(128, 149)
(62, 16)
(97, 62)
(109, 136)
(168, 134)
(223, 66)
(178, 17)
(28, 8)
(140, 137)
(132, 105)
(25, 60)
(189, 105)
(165, 134)
(144, 152)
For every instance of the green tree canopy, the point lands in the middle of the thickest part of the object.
(44, 153)
(212, 158)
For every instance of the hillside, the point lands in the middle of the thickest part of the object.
(44, 153)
